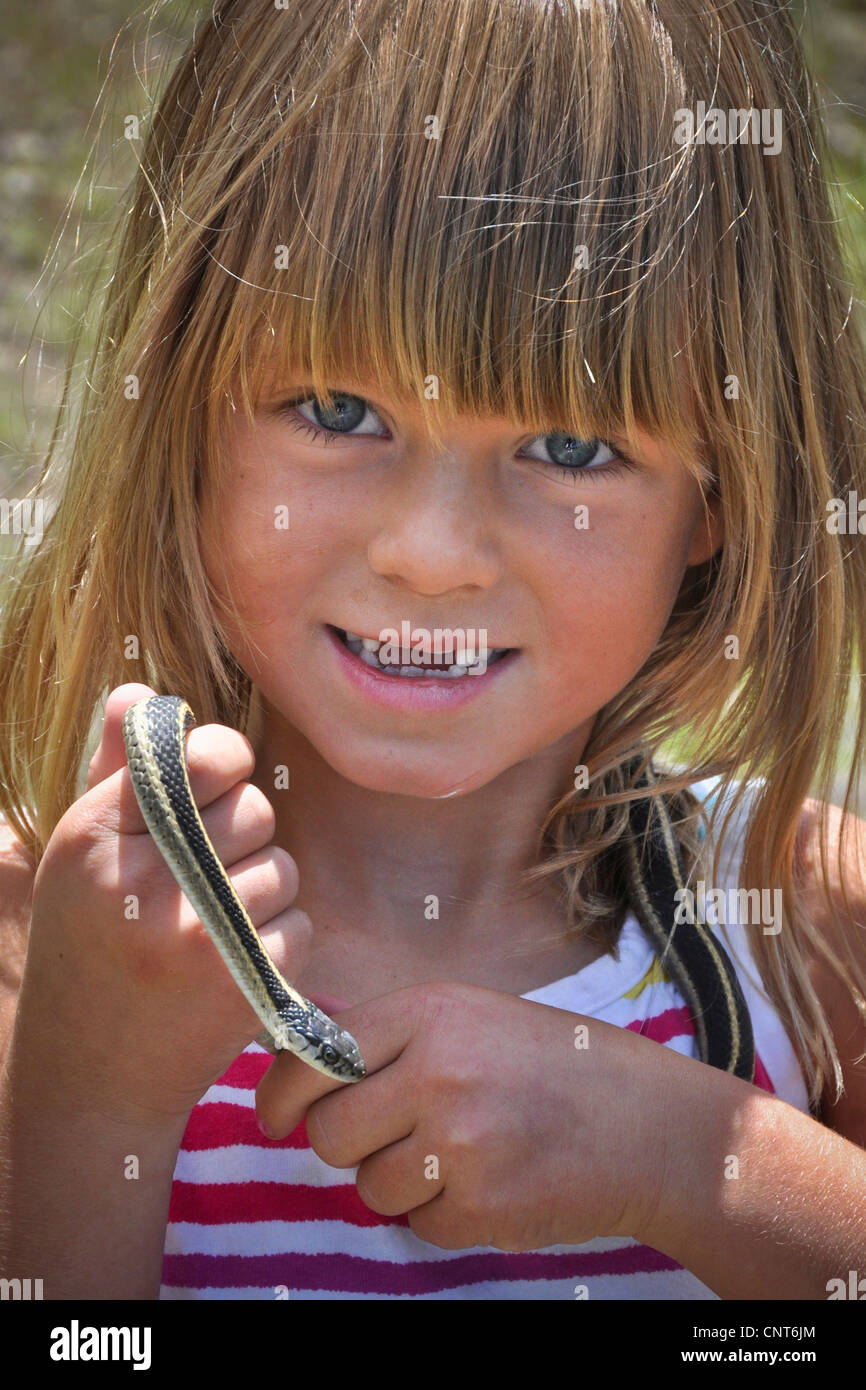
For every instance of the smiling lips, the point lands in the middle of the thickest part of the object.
(443, 667)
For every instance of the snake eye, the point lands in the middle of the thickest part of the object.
(329, 1053)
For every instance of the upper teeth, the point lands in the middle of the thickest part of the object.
(367, 648)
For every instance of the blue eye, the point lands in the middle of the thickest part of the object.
(347, 414)
(570, 452)
(571, 456)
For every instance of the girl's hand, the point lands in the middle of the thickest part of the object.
(490, 1119)
(125, 1004)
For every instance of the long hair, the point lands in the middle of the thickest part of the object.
(492, 193)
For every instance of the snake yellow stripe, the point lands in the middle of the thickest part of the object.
(154, 734)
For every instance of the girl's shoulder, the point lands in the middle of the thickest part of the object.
(17, 872)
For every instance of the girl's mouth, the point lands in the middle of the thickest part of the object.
(439, 685)
(446, 667)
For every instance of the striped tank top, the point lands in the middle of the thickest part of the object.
(252, 1218)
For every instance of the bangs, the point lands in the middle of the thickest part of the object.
(461, 201)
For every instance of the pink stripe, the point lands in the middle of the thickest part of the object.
(246, 1071)
(762, 1076)
(220, 1123)
(671, 1023)
(218, 1203)
(352, 1274)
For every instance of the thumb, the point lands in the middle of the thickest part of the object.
(111, 753)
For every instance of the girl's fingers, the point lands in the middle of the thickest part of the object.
(217, 757)
(266, 883)
(287, 938)
(382, 1028)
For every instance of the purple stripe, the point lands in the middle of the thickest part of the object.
(352, 1274)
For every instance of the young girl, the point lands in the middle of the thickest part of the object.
(522, 319)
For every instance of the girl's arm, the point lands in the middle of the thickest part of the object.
(95, 1227)
(757, 1199)
(762, 1201)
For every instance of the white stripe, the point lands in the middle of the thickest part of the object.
(317, 1237)
(230, 1095)
(244, 1163)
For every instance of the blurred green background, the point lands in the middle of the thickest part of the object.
(55, 58)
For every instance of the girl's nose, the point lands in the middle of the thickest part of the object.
(435, 531)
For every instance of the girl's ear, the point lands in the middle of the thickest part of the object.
(709, 531)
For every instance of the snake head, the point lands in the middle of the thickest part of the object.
(329, 1049)
(343, 1057)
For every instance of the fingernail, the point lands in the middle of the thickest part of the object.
(266, 1129)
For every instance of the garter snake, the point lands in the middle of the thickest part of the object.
(154, 733)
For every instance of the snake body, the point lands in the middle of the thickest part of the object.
(687, 951)
(154, 732)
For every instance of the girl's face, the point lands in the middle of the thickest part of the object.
(557, 550)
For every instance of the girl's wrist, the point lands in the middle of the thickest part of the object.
(700, 1116)
(652, 1086)
(661, 1155)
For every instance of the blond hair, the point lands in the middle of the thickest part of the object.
(429, 168)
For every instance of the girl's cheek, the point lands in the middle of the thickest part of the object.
(256, 547)
(608, 594)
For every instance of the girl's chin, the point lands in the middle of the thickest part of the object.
(396, 779)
